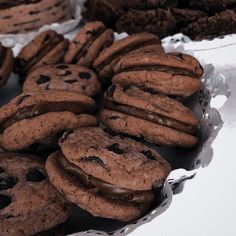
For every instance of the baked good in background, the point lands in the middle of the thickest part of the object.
(17, 16)
(165, 18)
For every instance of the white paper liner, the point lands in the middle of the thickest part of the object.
(10, 40)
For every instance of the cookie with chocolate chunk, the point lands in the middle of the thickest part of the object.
(40, 117)
(109, 57)
(174, 74)
(209, 27)
(159, 21)
(29, 204)
(64, 77)
(6, 64)
(48, 48)
(91, 39)
(155, 118)
(109, 176)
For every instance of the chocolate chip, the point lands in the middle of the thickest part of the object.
(149, 155)
(115, 147)
(1, 170)
(4, 201)
(111, 90)
(67, 72)
(93, 159)
(7, 182)
(35, 175)
(114, 117)
(84, 75)
(126, 88)
(71, 81)
(63, 67)
(21, 99)
(43, 79)
(65, 136)
(92, 32)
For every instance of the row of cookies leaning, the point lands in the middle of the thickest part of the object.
(102, 172)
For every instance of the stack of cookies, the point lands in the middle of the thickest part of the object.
(198, 19)
(110, 172)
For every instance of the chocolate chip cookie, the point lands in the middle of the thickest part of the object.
(174, 74)
(65, 77)
(155, 118)
(48, 48)
(29, 204)
(6, 64)
(108, 57)
(109, 176)
(40, 117)
(91, 39)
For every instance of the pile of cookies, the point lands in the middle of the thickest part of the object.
(199, 19)
(109, 171)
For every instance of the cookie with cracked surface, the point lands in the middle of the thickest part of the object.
(48, 48)
(173, 74)
(64, 77)
(96, 160)
(41, 116)
(29, 204)
(157, 118)
(160, 22)
(6, 64)
(88, 43)
(109, 57)
(220, 24)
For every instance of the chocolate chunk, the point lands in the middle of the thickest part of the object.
(4, 201)
(71, 81)
(92, 32)
(43, 79)
(21, 99)
(149, 155)
(67, 72)
(114, 117)
(63, 67)
(7, 182)
(116, 149)
(35, 175)
(84, 75)
(93, 159)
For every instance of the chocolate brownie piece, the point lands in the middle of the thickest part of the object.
(29, 204)
(88, 43)
(40, 117)
(213, 26)
(108, 176)
(173, 74)
(47, 48)
(21, 16)
(107, 59)
(63, 77)
(6, 64)
(160, 22)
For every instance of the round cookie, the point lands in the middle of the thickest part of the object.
(117, 175)
(173, 74)
(6, 64)
(40, 117)
(64, 77)
(48, 48)
(91, 39)
(156, 118)
(107, 59)
(29, 204)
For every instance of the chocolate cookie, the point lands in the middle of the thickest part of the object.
(160, 22)
(109, 176)
(157, 119)
(91, 39)
(40, 117)
(6, 64)
(48, 48)
(210, 27)
(108, 57)
(21, 16)
(63, 77)
(29, 204)
(174, 74)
